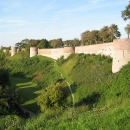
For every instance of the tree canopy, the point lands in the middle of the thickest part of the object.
(126, 13)
(127, 29)
(104, 35)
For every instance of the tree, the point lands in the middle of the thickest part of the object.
(76, 42)
(4, 78)
(126, 12)
(53, 97)
(84, 39)
(9, 100)
(95, 36)
(22, 44)
(113, 29)
(68, 43)
(92, 37)
(127, 29)
(104, 34)
(43, 44)
(56, 43)
(33, 43)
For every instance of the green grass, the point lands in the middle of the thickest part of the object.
(15, 57)
(28, 91)
(102, 98)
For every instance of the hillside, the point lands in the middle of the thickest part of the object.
(101, 97)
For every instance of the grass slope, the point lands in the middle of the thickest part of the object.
(28, 92)
(102, 98)
(29, 76)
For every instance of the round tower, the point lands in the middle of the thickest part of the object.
(33, 51)
(121, 54)
(68, 50)
(13, 50)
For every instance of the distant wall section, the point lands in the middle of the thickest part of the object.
(52, 53)
(103, 49)
(13, 50)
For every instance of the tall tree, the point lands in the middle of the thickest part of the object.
(84, 39)
(68, 43)
(23, 43)
(127, 29)
(93, 37)
(113, 29)
(56, 43)
(76, 42)
(126, 12)
(33, 43)
(43, 44)
(104, 34)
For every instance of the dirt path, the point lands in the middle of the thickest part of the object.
(72, 95)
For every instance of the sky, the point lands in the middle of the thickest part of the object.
(52, 19)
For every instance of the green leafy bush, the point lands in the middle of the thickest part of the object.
(53, 97)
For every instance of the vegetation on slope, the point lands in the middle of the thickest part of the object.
(102, 98)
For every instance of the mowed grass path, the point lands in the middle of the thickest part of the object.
(28, 92)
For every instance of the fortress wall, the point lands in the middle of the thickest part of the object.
(121, 44)
(44, 52)
(13, 50)
(119, 50)
(121, 54)
(56, 53)
(33, 51)
(68, 51)
(103, 49)
(52, 53)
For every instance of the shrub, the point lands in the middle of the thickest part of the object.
(53, 97)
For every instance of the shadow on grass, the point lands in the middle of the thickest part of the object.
(33, 107)
(74, 87)
(90, 100)
(28, 92)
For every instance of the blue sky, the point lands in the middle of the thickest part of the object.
(52, 19)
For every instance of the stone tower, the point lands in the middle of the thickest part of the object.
(13, 50)
(33, 51)
(121, 54)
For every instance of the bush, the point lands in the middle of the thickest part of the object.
(53, 97)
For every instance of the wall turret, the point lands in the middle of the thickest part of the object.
(13, 50)
(33, 51)
(121, 54)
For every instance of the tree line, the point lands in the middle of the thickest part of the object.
(106, 34)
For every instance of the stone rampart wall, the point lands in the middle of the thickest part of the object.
(103, 49)
(121, 54)
(119, 50)
(52, 53)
